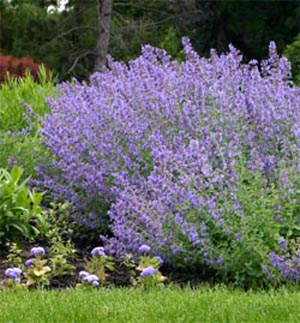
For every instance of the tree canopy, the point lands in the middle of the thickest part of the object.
(66, 40)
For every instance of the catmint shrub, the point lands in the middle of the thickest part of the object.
(194, 158)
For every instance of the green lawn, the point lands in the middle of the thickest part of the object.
(156, 305)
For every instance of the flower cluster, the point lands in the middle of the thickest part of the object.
(99, 251)
(89, 278)
(98, 266)
(173, 148)
(14, 274)
(38, 271)
(35, 251)
(148, 271)
(149, 268)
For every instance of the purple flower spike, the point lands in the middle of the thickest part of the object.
(283, 244)
(144, 248)
(99, 251)
(149, 271)
(37, 251)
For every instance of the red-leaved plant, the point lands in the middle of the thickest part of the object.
(17, 67)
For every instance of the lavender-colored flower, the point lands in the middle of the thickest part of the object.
(144, 248)
(283, 244)
(99, 251)
(13, 273)
(29, 262)
(37, 251)
(149, 271)
(95, 283)
(83, 274)
(90, 278)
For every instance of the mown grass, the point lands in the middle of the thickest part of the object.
(155, 305)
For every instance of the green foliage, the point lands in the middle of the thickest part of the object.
(137, 267)
(292, 52)
(58, 238)
(13, 93)
(37, 274)
(12, 285)
(40, 271)
(14, 256)
(61, 228)
(61, 252)
(142, 22)
(269, 212)
(98, 265)
(22, 104)
(152, 280)
(66, 41)
(20, 212)
(22, 150)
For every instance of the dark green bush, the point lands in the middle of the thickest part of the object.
(292, 52)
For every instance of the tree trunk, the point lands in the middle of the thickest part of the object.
(104, 16)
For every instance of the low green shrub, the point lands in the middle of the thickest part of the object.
(15, 92)
(23, 102)
(21, 216)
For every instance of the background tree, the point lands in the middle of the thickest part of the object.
(67, 41)
(104, 16)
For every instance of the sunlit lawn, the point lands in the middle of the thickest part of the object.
(155, 305)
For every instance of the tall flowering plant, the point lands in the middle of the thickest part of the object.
(187, 157)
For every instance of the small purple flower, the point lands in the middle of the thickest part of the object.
(13, 273)
(91, 278)
(283, 244)
(29, 262)
(149, 271)
(144, 248)
(37, 251)
(99, 251)
(13, 160)
(95, 283)
(220, 260)
(83, 274)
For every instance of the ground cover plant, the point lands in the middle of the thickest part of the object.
(155, 305)
(198, 159)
